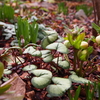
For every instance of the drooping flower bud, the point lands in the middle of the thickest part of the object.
(75, 32)
(84, 52)
(67, 43)
(82, 55)
(84, 45)
(98, 39)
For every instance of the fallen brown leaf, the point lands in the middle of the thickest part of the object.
(30, 95)
(18, 86)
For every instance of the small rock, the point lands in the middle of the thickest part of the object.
(80, 14)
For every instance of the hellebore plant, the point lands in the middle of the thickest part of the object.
(81, 49)
(98, 39)
(97, 28)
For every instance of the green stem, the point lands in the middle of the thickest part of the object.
(89, 62)
(92, 70)
(80, 71)
(75, 59)
(78, 62)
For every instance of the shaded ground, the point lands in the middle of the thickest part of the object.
(50, 18)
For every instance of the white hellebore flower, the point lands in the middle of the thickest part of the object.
(67, 43)
(98, 39)
(84, 45)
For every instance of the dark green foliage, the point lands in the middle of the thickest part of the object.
(26, 31)
(22, 31)
(76, 96)
(96, 27)
(33, 32)
(1, 69)
(90, 90)
(62, 8)
(87, 9)
(98, 87)
(6, 13)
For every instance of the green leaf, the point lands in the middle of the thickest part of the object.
(4, 88)
(59, 47)
(69, 95)
(78, 40)
(77, 44)
(61, 63)
(83, 57)
(84, 54)
(45, 42)
(60, 39)
(40, 35)
(40, 83)
(81, 36)
(77, 93)
(7, 71)
(59, 87)
(45, 52)
(77, 79)
(89, 50)
(96, 27)
(6, 12)
(90, 92)
(34, 31)
(52, 37)
(29, 67)
(57, 59)
(87, 9)
(11, 96)
(54, 91)
(43, 78)
(37, 53)
(50, 32)
(52, 46)
(62, 48)
(1, 69)
(22, 31)
(70, 38)
(29, 50)
(64, 64)
(99, 89)
(47, 57)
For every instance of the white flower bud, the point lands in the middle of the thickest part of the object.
(98, 39)
(84, 45)
(66, 43)
(84, 52)
(75, 32)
